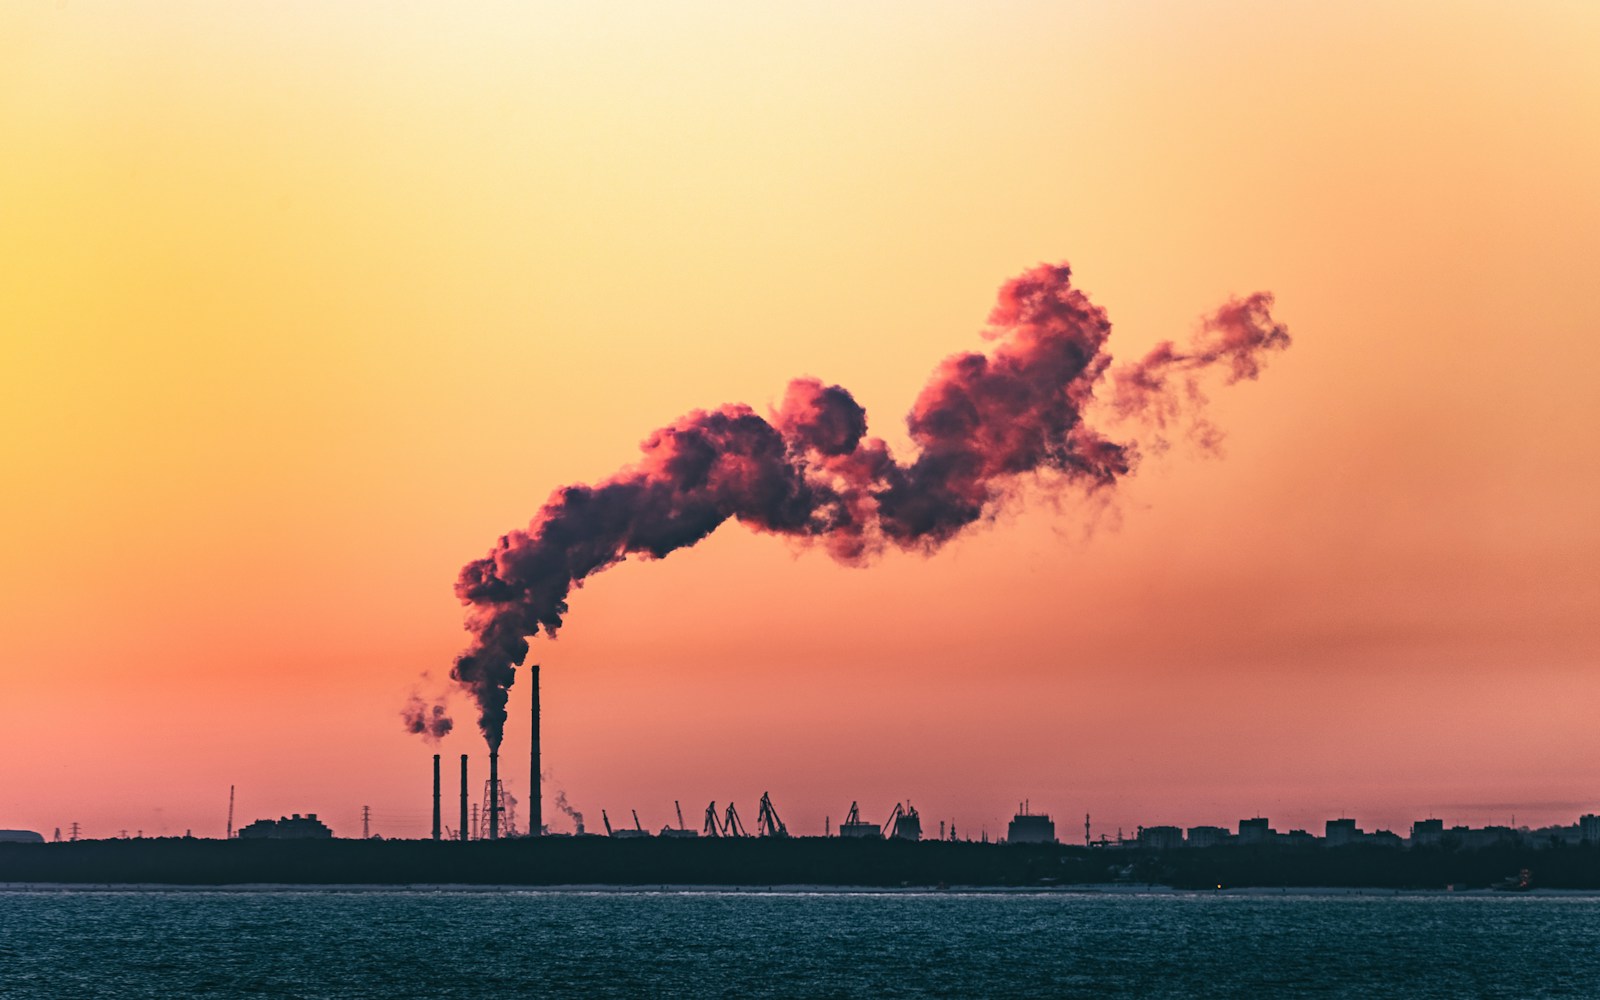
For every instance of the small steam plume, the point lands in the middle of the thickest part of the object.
(430, 720)
(808, 471)
(561, 803)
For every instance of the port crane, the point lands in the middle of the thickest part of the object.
(623, 832)
(894, 817)
(727, 826)
(731, 827)
(854, 827)
(767, 822)
(904, 823)
(680, 831)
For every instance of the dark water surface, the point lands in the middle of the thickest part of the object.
(470, 943)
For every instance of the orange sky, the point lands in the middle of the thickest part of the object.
(302, 308)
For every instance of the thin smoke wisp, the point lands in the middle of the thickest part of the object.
(561, 803)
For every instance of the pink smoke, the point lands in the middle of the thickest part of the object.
(430, 721)
(808, 470)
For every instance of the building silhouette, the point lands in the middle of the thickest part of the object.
(296, 827)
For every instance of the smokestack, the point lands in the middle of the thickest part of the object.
(536, 808)
(435, 796)
(463, 797)
(494, 795)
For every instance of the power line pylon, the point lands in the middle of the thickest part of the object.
(505, 808)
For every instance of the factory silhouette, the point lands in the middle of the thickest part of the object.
(483, 820)
(487, 847)
(488, 813)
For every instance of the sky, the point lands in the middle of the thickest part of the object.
(302, 307)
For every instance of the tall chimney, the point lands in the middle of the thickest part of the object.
(536, 807)
(435, 796)
(463, 797)
(494, 794)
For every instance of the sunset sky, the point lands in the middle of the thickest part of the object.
(303, 305)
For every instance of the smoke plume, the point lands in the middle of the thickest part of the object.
(431, 721)
(808, 470)
(561, 803)
(1163, 388)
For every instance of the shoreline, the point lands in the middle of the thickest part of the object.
(743, 865)
(652, 889)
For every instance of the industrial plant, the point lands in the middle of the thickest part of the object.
(490, 843)
(296, 827)
(903, 823)
(489, 813)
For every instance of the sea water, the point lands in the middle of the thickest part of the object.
(511, 942)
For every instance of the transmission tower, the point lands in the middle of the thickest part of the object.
(366, 822)
(230, 812)
(74, 829)
(506, 807)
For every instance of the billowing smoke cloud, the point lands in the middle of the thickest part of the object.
(808, 471)
(561, 803)
(431, 721)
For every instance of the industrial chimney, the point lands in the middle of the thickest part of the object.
(536, 807)
(464, 826)
(494, 794)
(435, 796)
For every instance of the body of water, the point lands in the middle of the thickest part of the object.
(469, 943)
